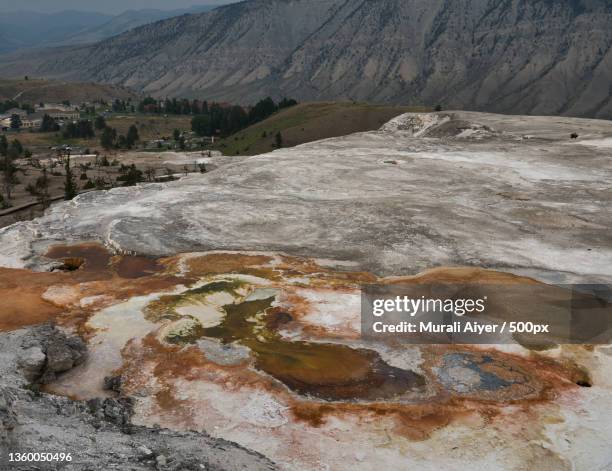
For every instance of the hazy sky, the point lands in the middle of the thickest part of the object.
(104, 6)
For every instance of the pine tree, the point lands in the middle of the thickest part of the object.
(107, 140)
(15, 121)
(70, 186)
(16, 148)
(201, 125)
(42, 186)
(7, 154)
(100, 122)
(132, 136)
(48, 124)
(279, 140)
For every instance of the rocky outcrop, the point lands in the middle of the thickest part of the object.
(32, 362)
(116, 411)
(97, 434)
(49, 352)
(8, 417)
(519, 56)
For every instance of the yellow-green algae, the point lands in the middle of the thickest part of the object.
(322, 370)
(165, 308)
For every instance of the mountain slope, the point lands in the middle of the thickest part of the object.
(308, 122)
(524, 56)
(6, 44)
(52, 91)
(128, 20)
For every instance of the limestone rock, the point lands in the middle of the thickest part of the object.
(63, 353)
(31, 362)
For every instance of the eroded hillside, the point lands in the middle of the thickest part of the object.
(532, 57)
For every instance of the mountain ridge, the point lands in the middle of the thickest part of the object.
(517, 56)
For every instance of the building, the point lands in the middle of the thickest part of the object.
(27, 121)
(31, 122)
(55, 106)
(60, 115)
(5, 118)
(17, 111)
(34, 120)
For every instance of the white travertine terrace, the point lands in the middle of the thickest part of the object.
(515, 194)
(512, 193)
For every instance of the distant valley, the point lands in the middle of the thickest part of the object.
(27, 29)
